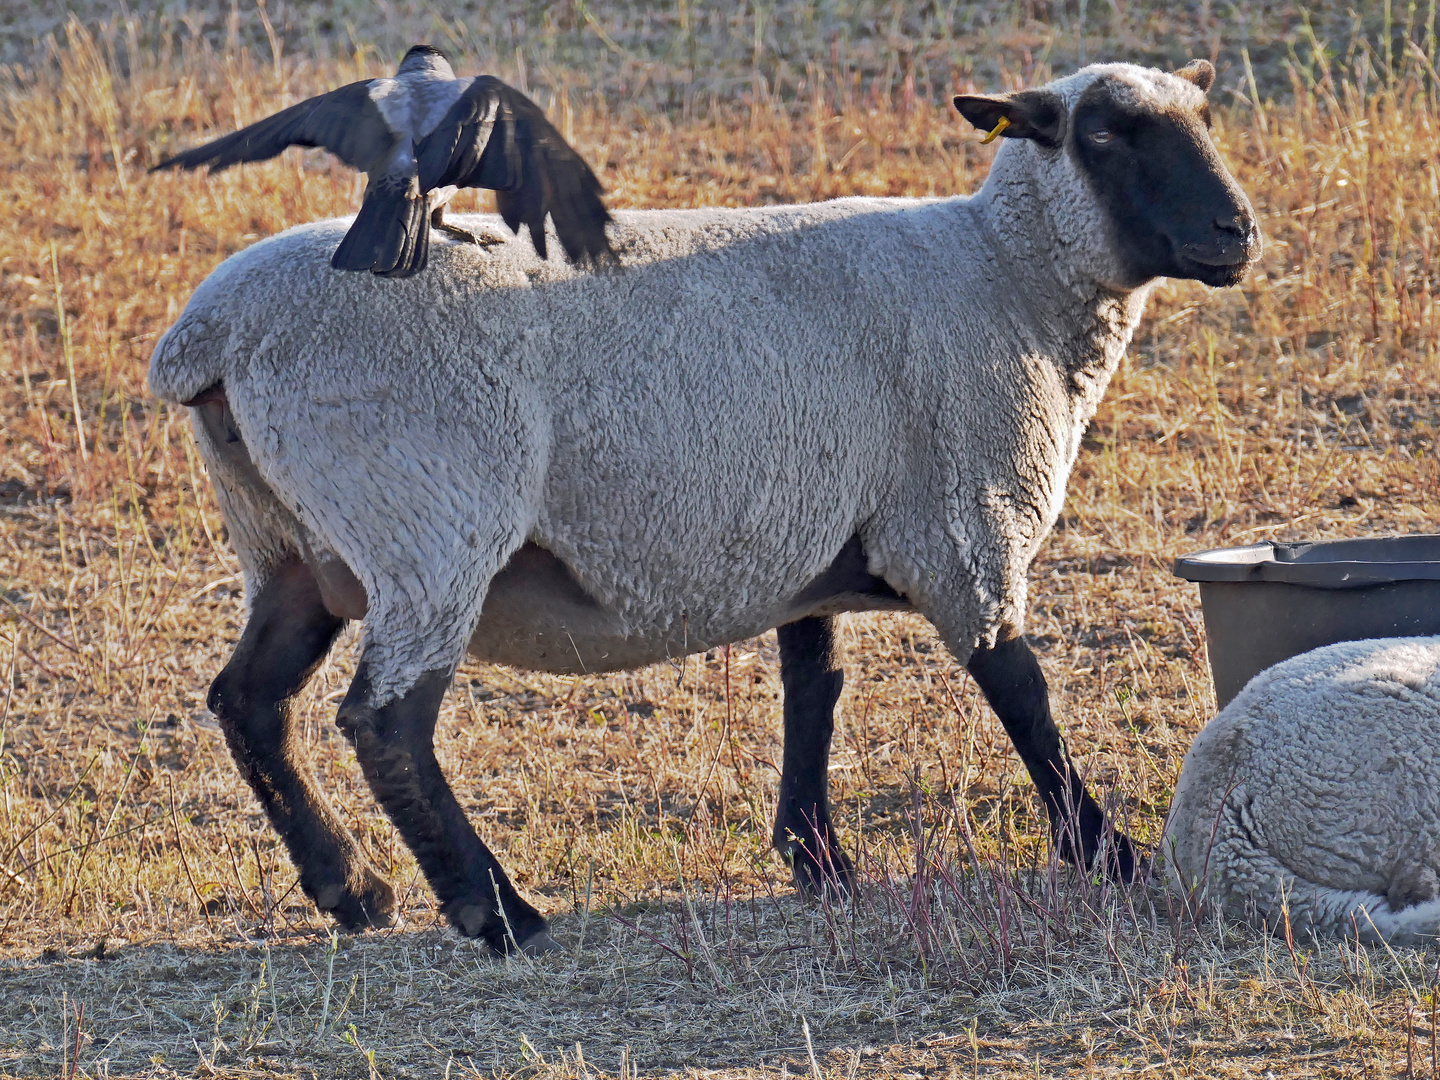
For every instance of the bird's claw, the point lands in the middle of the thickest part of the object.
(466, 236)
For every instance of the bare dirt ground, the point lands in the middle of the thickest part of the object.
(149, 921)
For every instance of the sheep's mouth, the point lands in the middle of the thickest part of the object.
(1219, 255)
(1217, 276)
(1218, 263)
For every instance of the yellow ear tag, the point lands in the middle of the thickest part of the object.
(995, 132)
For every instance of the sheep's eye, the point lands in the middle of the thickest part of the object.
(1101, 136)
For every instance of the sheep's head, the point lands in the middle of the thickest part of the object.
(1151, 182)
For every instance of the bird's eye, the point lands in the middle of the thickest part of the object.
(1101, 136)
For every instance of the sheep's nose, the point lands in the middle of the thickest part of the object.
(1234, 224)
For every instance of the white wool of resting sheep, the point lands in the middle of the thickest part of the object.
(694, 436)
(1318, 787)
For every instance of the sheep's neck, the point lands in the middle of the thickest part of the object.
(1109, 321)
(1083, 324)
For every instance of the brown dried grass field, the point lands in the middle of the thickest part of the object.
(149, 920)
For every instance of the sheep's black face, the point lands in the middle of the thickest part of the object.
(1173, 209)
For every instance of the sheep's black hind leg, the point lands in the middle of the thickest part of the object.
(811, 676)
(395, 744)
(287, 636)
(1011, 680)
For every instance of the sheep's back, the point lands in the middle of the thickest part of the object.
(281, 291)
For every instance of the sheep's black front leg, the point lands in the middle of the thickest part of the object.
(1011, 679)
(395, 745)
(811, 677)
(288, 633)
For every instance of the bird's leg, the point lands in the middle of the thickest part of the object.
(437, 221)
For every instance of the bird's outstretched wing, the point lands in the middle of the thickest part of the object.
(346, 121)
(495, 137)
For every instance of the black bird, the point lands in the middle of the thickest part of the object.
(419, 137)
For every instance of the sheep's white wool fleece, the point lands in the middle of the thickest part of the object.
(695, 436)
(1320, 784)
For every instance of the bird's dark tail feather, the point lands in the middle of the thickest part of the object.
(391, 234)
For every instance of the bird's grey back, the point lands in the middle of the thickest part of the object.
(421, 93)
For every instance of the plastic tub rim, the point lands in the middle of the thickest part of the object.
(1298, 564)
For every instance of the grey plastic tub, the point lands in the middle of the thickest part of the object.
(1264, 603)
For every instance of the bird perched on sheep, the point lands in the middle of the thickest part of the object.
(419, 137)
(772, 416)
(1316, 793)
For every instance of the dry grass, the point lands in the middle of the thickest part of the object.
(149, 921)
(676, 54)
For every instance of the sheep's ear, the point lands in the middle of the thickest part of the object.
(1030, 114)
(1199, 72)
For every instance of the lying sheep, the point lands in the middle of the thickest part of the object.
(764, 418)
(1318, 790)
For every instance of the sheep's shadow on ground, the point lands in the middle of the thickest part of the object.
(685, 982)
(656, 985)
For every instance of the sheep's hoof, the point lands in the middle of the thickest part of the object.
(1120, 860)
(474, 920)
(478, 921)
(831, 876)
(1099, 848)
(539, 944)
(370, 906)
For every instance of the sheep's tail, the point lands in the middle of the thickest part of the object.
(1277, 894)
(1350, 913)
(191, 356)
(1418, 924)
(391, 234)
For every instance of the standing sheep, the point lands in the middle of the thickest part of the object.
(764, 418)
(1318, 790)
